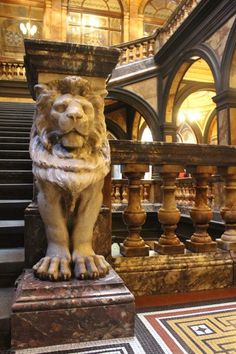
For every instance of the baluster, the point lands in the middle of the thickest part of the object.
(137, 52)
(146, 189)
(4, 71)
(141, 192)
(151, 48)
(123, 59)
(168, 214)
(144, 52)
(201, 214)
(112, 193)
(134, 215)
(117, 194)
(124, 195)
(228, 212)
(14, 71)
(131, 53)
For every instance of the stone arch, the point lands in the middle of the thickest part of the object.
(141, 106)
(182, 65)
(226, 63)
(116, 130)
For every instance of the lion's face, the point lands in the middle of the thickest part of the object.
(72, 118)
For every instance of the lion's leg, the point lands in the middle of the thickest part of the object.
(87, 264)
(56, 264)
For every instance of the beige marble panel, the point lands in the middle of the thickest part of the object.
(218, 40)
(147, 89)
(223, 127)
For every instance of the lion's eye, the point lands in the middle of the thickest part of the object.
(88, 109)
(60, 108)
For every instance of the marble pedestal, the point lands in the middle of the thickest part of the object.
(46, 313)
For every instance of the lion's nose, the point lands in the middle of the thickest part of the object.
(75, 113)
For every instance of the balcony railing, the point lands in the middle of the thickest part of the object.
(146, 47)
(12, 70)
(169, 159)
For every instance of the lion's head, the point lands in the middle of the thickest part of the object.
(68, 133)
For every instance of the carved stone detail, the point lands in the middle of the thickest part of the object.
(70, 154)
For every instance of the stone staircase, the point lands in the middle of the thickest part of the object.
(16, 185)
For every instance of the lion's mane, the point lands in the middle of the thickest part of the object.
(72, 170)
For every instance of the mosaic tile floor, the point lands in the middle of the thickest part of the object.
(209, 328)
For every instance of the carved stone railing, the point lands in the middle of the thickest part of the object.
(186, 192)
(170, 159)
(12, 69)
(137, 50)
(147, 46)
(120, 191)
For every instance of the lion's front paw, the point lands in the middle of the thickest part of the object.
(90, 267)
(52, 268)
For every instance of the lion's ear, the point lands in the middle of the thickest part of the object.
(39, 89)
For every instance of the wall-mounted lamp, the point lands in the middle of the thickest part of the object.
(27, 29)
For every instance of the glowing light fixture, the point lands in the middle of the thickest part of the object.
(27, 29)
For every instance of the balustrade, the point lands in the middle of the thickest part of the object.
(12, 70)
(120, 191)
(170, 159)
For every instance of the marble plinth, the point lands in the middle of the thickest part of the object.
(201, 247)
(46, 313)
(134, 251)
(226, 245)
(168, 274)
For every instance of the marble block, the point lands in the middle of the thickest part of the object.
(51, 313)
(168, 274)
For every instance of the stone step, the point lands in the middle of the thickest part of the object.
(6, 114)
(16, 190)
(14, 154)
(21, 129)
(11, 233)
(14, 139)
(16, 176)
(11, 265)
(13, 208)
(14, 133)
(6, 299)
(15, 164)
(11, 123)
(14, 146)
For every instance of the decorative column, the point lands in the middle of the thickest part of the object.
(228, 212)
(201, 213)
(168, 214)
(134, 215)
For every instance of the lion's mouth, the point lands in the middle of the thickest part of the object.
(72, 140)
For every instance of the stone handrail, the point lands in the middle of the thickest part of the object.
(12, 69)
(170, 159)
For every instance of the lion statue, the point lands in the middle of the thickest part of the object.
(71, 157)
